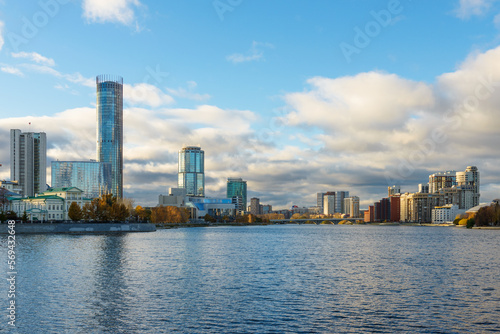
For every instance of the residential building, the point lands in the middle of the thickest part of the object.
(394, 190)
(395, 203)
(110, 128)
(442, 180)
(339, 201)
(351, 206)
(445, 214)
(423, 188)
(94, 178)
(469, 179)
(236, 187)
(417, 207)
(329, 203)
(191, 174)
(369, 215)
(28, 161)
(50, 205)
(11, 186)
(319, 200)
(255, 207)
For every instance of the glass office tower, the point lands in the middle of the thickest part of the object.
(110, 128)
(236, 187)
(192, 170)
(93, 177)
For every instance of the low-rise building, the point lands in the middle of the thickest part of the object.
(50, 205)
(445, 214)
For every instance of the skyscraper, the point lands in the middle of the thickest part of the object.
(93, 177)
(236, 187)
(28, 161)
(110, 128)
(192, 170)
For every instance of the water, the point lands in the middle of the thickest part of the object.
(264, 279)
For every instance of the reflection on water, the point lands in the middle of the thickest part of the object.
(274, 279)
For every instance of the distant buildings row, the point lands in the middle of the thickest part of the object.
(445, 195)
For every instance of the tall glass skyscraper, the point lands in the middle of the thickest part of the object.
(93, 177)
(110, 128)
(192, 170)
(236, 187)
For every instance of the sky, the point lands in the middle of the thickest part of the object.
(296, 97)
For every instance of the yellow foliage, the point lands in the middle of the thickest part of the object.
(463, 222)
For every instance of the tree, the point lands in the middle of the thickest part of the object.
(24, 218)
(209, 218)
(75, 212)
(142, 214)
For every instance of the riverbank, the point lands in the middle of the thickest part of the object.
(77, 228)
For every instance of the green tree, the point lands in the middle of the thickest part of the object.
(75, 213)
(470, 222)
(24, 218)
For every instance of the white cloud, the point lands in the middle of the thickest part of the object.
(468, 8)
(117, 11)
(189, 92)
(255, 53)
(36, 57)
(74, 78)
(1, 35)
(12, 70)
(145, 94)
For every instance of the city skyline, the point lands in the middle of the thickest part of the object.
(295, 99)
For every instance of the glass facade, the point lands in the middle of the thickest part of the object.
(236, 187)
(92, 177)
(110, 128)
(192, 170)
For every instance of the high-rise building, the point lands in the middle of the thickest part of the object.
(470, 180)
(351, 206)
(236, 187)
(441, 180)
(255, 207)
(394, 190)
(92, 177)
(339, 201)
(329, 203)
(28, 161)
(110, 128)
(192, 170)
(319, 200)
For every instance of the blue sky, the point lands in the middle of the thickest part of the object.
(265, 87)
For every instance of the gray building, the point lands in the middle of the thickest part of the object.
(28, 161)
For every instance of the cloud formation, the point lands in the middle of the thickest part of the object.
(12, 70)
(254, 54)
(358, 133)
(468, 8)
(115, 11)
(35, 57)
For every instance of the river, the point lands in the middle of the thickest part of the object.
(262, 279)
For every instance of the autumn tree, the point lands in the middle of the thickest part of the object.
(75, 212)
(106, 208)
(169, 214)
(142, 214)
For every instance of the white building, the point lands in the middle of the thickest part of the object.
(351, 206)
(445, 214)
(50, 205)
(329, 204)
